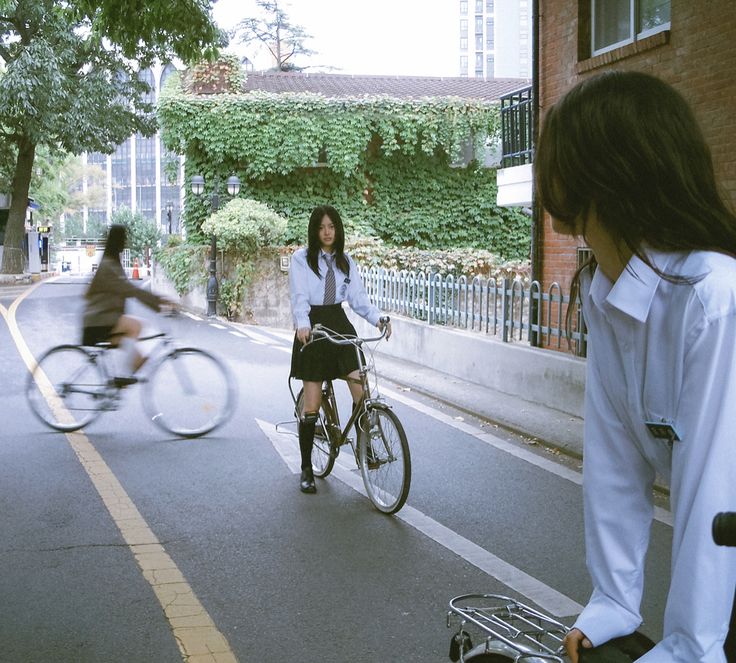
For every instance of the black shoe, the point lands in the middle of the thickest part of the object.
(306, 483)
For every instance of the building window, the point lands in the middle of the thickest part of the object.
(619, 22)
(478, 6)
(463, 65)
(490, 66)
(479, 61)
(489, 6)
(490, 31)
(463, 27)
(479, 25)
(463, 6)
(478, 42)
(463, 43)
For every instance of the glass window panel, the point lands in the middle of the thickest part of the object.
(489, 6)
(463, 27)
(479, 25)
(478, 42)
(463, 6)
(478, 6)
(653, 14)
(612, 22)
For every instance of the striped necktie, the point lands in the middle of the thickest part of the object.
(329, 282)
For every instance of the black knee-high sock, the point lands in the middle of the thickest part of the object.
(306, 438)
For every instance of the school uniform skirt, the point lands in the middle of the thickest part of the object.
(321, 359)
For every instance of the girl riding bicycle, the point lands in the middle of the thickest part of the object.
(321, 277)
(104, 312)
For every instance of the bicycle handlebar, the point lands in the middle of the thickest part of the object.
(321, 332)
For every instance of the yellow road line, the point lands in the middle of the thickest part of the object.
(198, 638)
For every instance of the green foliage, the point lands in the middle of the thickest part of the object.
(142, 233)
(145, 30)
(384, 163)
(184, 265)
(244, 226)
(232, 287)
(371, 252)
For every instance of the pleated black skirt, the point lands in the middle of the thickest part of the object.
(322, 360)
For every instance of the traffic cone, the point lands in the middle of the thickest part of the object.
(136, 274)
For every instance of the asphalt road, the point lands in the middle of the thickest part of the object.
(279, 576)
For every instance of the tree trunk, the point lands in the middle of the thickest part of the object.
(15, 230)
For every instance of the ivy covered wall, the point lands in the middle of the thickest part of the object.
(384, 163)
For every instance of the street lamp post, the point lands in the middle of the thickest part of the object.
(169, 213)
(233, 188)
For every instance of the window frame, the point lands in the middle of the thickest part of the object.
(634, 33)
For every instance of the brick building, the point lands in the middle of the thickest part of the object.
(688, 43)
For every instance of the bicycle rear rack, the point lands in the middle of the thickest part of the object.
(510, 628)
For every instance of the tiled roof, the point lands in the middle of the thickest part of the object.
(342, 85)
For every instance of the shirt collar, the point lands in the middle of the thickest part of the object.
(633, 291)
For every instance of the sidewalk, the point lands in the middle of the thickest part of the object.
(551, 427)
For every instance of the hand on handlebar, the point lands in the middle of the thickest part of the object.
(303, 334)
(574, 639)
(385, 323)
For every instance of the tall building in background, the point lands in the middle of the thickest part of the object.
(495, 38)
(140, 171)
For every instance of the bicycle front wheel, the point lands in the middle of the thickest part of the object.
(323, 457)
(67, 388)
(385, 462)
(189, 393)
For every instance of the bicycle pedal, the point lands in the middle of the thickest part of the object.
(124, 381)
(460, 642)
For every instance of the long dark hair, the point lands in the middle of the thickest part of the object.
(115, 242)
(314, 245)
(626, 145)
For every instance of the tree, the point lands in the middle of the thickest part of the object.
(142, 233)
(62, 184)
(275, 31)
(69, 81)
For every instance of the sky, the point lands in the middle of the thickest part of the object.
(376, 37)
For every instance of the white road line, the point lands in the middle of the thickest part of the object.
(238, 334)
(660, 514)
(191, 315)
(216, 326)
(543, 595)
(261, 338)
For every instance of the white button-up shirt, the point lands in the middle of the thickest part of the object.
(661, 352)
(307, 289)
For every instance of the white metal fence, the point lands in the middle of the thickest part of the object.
(505, 308)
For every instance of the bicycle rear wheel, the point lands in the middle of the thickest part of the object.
(385, 462)
(323, 458)
(67, 388)
(189, 393)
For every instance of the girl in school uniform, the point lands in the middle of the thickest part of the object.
(321, 277)
(622, 162)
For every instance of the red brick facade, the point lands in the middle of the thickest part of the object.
(697, 56)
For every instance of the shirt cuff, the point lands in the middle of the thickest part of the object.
(602, 621)
(301, 323)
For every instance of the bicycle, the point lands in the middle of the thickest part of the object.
(381, 449)
(515, 632)
(186, 391)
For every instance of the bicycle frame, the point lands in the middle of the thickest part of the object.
(328, 391)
